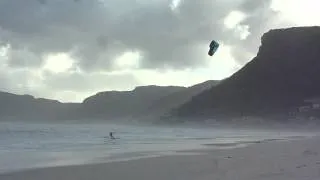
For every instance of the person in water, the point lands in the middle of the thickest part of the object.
(111, 135)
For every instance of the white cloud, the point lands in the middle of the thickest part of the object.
(58, 63)
(128, 60)
(300, 12)
(174, 4)
(233, 19)
(223, 64)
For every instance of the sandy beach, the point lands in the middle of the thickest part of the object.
(283, 160)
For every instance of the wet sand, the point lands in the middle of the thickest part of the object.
(283, 160)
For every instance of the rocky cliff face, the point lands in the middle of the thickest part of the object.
(285, 71)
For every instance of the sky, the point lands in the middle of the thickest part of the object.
(70, 49)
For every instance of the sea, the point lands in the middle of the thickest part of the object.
(36, 145)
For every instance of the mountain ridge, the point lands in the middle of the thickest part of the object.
(105, 105)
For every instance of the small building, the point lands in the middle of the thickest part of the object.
(316, 106)
(304, 108)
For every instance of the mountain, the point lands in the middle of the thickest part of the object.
(26, 107)
(124, 104)
(143, 101)
(161, 106)
(285, 72)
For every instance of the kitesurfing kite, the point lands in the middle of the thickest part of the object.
(213, 47)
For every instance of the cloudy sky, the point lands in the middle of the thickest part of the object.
(69, 49)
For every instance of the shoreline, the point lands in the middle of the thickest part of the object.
(287, 159)
(129, 156)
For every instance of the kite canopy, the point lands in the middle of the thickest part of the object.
(213, 47)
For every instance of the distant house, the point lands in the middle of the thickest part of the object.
(315, 106)
(313, 100)
(314, 103)
(304, 108)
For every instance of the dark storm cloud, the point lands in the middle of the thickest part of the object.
(254, 5)
(95, 32)
(23, 58)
